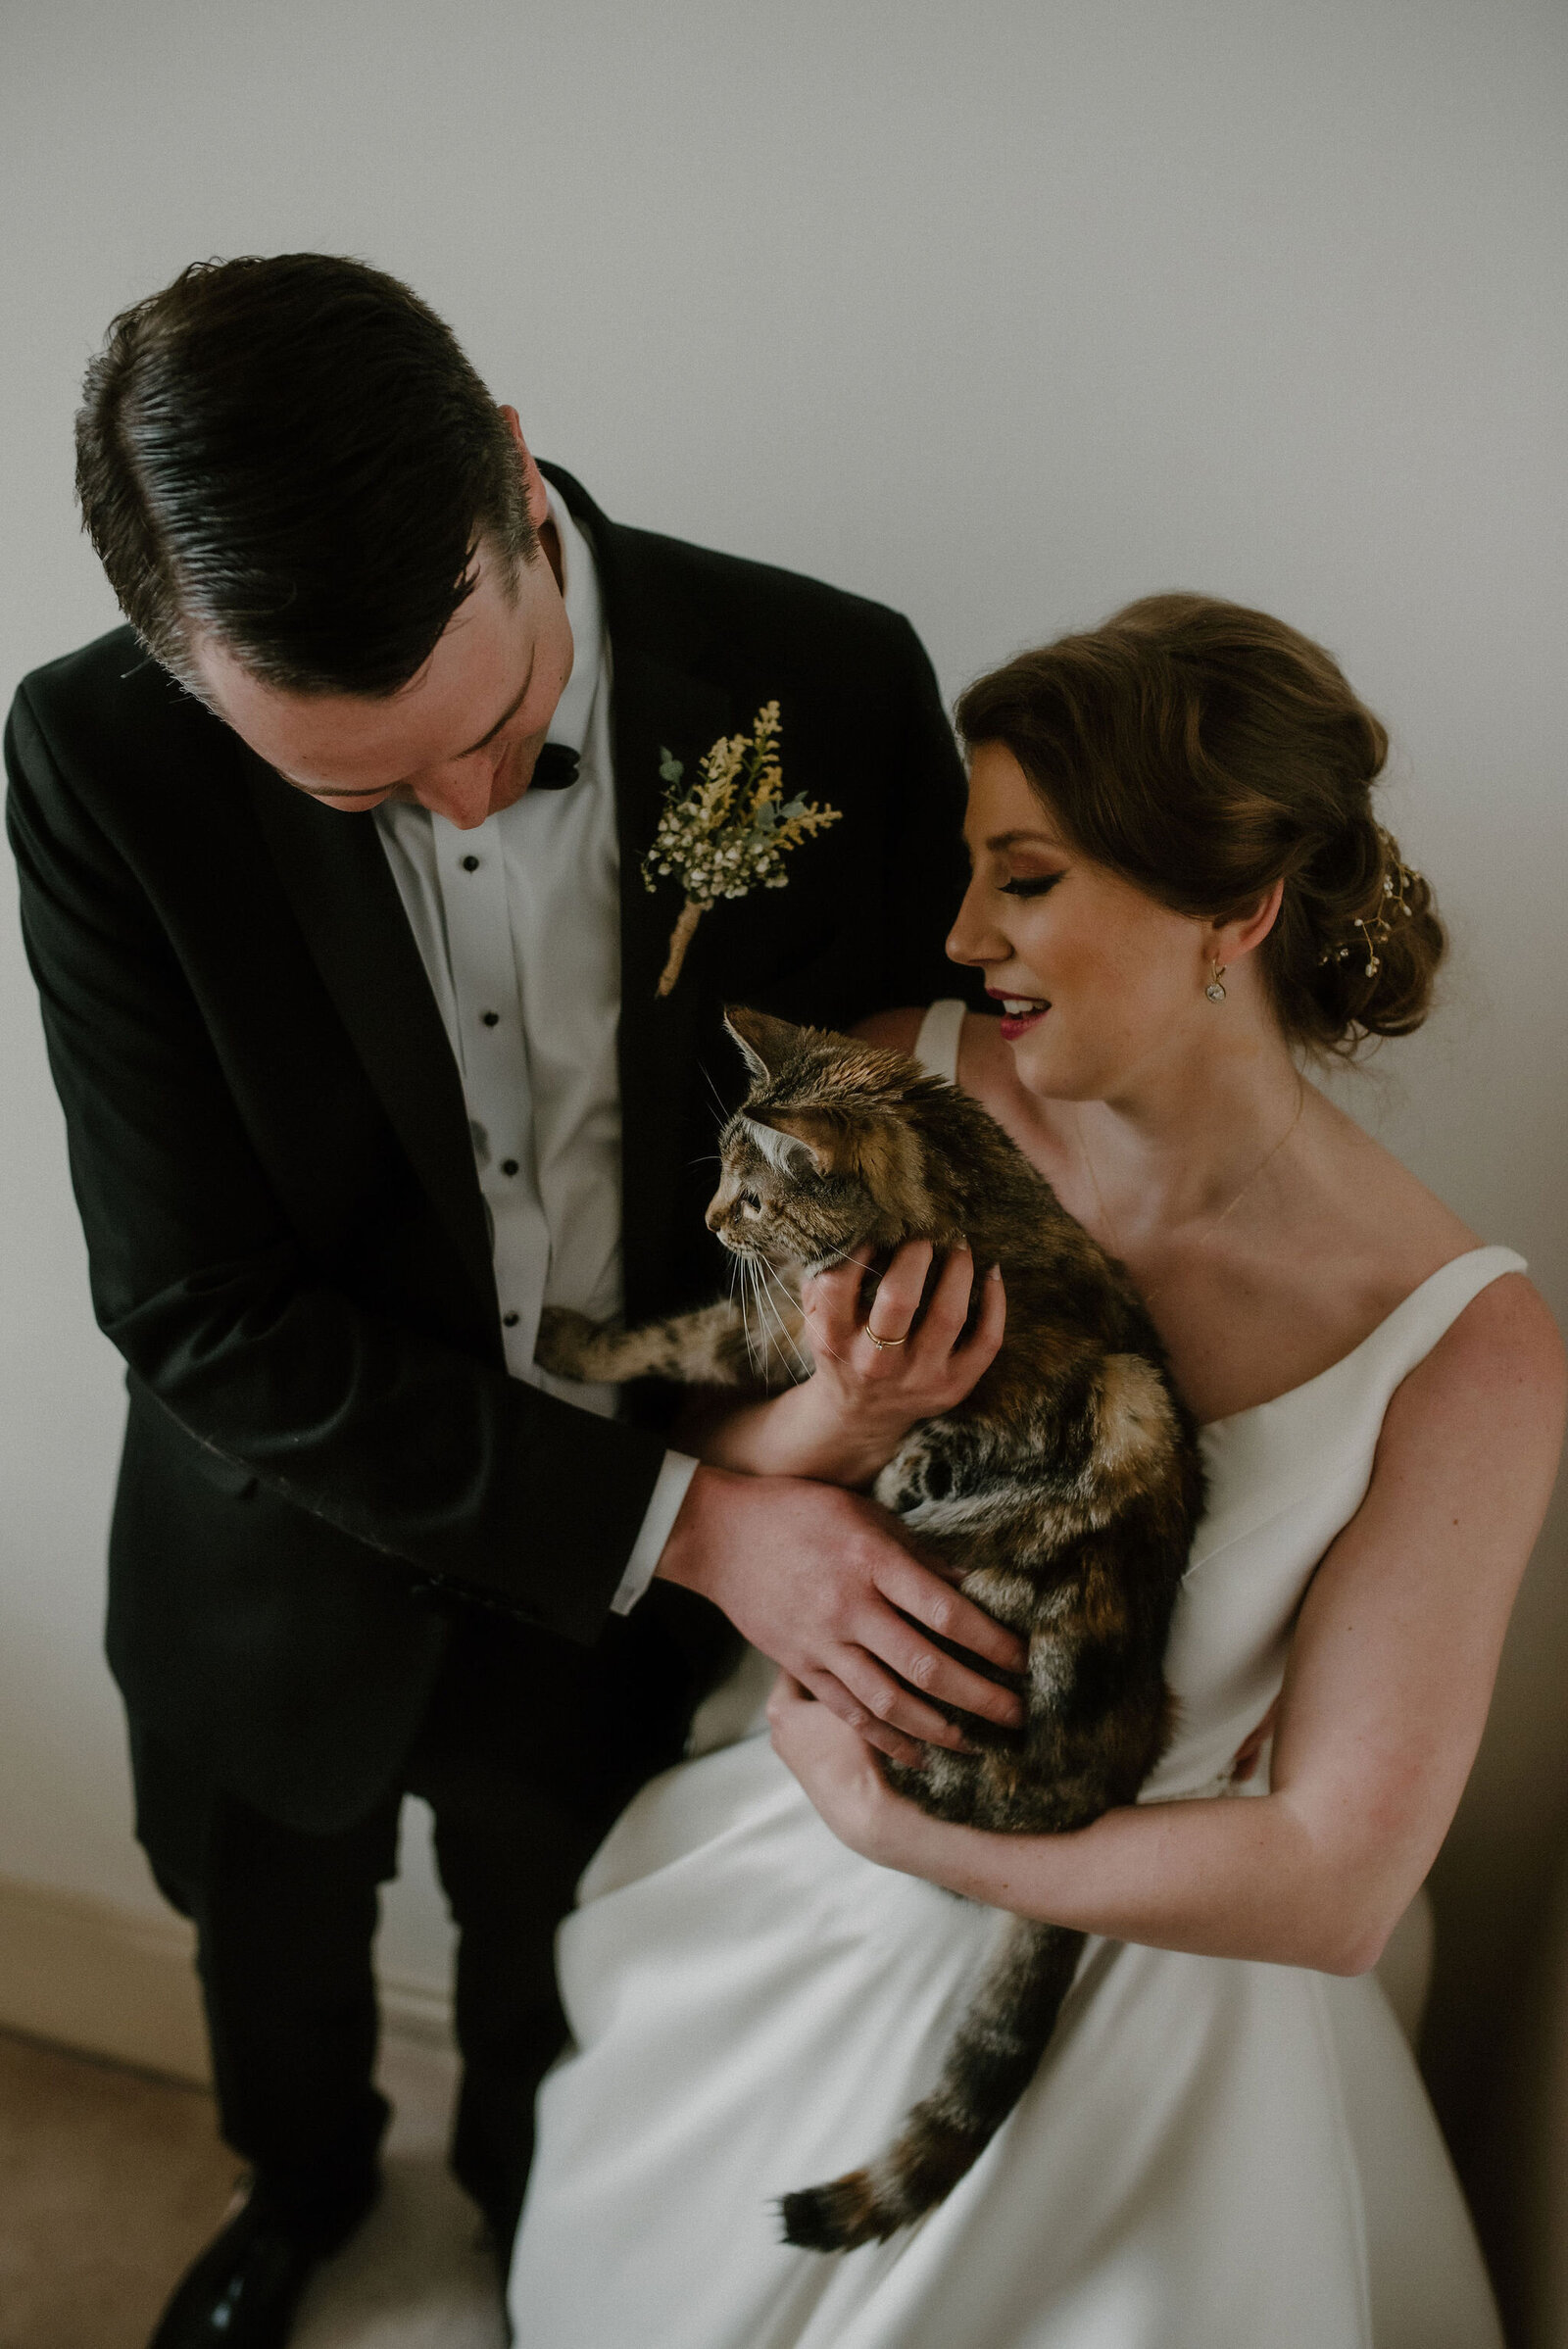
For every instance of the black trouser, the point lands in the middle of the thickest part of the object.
(284, 1921)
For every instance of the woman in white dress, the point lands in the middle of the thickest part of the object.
(1227, 2145)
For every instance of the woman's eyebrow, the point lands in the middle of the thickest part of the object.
(1001, 842)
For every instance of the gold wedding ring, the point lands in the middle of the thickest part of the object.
(882, 1345)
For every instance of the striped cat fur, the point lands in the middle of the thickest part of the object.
(1066, 1485)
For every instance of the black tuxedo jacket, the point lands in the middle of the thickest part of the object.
(271, 1153)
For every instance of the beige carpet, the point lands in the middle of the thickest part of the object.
(111, 2181)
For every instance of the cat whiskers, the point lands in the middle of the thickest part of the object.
(741, 1269)
(767, 1313)
(802, 1364)
(759, 1270)
(841, 1255)
(752, 1269)
(819, 1346)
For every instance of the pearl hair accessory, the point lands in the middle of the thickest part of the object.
(1381, 926)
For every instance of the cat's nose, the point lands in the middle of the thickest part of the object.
(719, 1207)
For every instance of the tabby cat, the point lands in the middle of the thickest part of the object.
(1067, 1484)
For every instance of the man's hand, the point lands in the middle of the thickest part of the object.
(820, 1580)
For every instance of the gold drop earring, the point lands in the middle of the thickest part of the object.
(1215, 990)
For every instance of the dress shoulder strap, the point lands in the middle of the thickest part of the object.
(1275, 1456)
(1427, 1314)
(936, 1048)
(1430, 1312)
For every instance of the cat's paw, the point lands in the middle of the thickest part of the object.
(564, 1342)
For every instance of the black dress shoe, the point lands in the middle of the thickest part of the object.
(243, 2290)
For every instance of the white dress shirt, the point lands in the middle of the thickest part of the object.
(517, 923)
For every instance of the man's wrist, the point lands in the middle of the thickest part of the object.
(687, 1557)
(653, 1536)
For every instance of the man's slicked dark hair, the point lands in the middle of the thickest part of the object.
(294, 455)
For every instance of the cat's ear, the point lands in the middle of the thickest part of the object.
(765, 1042)
(827, 1142)
(788, 1154)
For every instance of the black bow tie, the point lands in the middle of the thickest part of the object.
(555, 767)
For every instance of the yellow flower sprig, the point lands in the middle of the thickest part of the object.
(730, 831)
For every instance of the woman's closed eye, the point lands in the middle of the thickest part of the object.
(1031, 885)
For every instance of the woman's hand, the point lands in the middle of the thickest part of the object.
(881, 1370)
(876, 1375)
(839, 1771)
(1391, 1667)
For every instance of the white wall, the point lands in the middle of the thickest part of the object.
(1002, 311)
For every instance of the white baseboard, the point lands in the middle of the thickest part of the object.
(411, 2010)
(121, 1982)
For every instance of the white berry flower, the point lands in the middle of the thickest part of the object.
(729, 830)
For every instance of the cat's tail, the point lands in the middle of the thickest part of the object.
(989, 2066)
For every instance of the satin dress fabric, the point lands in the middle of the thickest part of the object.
(1215, 2154)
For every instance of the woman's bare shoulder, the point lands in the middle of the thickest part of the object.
(1381, 1213)
(986, 1066)
(896, 1029)
(986, 1069)
(1508, 1340)
(1487, 1405)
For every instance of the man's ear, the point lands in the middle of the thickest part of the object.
(766, 1044)
(534, 487)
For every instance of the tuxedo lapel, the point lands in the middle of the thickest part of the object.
(335, 873)
(656, 706)
(659, 700)
(337, 876)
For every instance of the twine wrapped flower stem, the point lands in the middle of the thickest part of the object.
(730, 832)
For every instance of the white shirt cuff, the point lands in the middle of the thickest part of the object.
(663, 1509)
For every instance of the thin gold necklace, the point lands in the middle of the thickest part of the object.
(1205, 1231)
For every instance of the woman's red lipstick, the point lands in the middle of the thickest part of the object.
(1016, 1023)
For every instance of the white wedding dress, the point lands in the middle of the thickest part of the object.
(1215, 2154)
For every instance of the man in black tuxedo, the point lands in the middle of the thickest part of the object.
(360, 1546)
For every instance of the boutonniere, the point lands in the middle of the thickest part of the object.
(730, 831)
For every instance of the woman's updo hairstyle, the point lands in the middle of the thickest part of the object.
(1204, 752)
